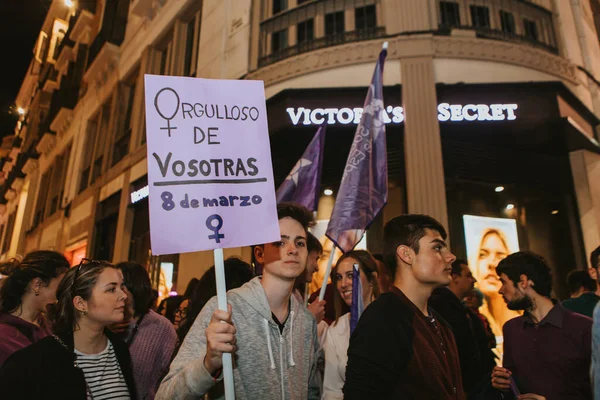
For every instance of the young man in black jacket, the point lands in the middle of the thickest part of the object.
(476, 358)
(400, 348)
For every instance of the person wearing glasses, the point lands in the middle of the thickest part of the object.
(29, 288)
(272, 336)
(151, 337)
(82, 359)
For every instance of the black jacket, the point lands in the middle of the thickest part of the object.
(476, 358)
(46, 370)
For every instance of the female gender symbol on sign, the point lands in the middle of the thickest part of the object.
(209, 224)
(168, 127)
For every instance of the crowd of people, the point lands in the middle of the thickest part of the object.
(95, 331)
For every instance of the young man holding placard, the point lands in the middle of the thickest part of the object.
(272, 336)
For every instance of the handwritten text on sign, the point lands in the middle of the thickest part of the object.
(209, 164)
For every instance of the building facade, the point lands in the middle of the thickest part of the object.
(492, 112)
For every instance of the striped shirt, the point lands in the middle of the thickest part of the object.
(103, 374)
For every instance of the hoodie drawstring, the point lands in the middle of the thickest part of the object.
(269, 343)
(292, 363)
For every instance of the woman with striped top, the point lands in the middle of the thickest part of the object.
(82, 360)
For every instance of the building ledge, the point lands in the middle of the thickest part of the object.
(66, 55)
(103, 66)
(46, 143)
(81, 32)
(30, 166)
(10, 194)
(18, 184)
(143, 8)
(62, 121)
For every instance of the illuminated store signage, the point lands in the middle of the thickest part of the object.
(395, 115)
(139, 194)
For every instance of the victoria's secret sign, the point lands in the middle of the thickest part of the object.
(395, 114)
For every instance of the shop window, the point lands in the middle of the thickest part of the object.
(530, 28)
(279, 6)
(306, 31)
(507, 21)
(480, 17)
(334, 24)
(450, 14)
(123, 134)
(279, 41)
(365, 18)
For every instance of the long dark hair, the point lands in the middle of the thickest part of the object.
(367, 266)
(78, 281)
(237, 272)
(42, 264)
(137, 281)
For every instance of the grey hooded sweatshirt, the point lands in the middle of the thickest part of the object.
(267, 364)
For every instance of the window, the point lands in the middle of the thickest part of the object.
(279, 41)
(10, 225)
(334, 24)
(365, 18)
(58, 33)
(507, 20)
(41, 48)
(123, 133)
(165, 59)
(44, 189)
(103, 133)
(449, 13)
(58, 182)
(86, 167)
(480, 17)
(192, 41)
(530, 28)
(279, 6)
(306, 31)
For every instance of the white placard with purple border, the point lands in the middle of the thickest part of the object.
(209, 164)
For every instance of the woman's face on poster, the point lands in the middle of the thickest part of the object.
(493, 249)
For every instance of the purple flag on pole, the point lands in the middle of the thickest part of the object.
(364, 187)
(357, 306)
(302, 184)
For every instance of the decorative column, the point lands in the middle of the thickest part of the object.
(426, 189)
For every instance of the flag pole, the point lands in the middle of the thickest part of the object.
(222, 305)
(327, 273)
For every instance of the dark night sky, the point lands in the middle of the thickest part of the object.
(22, 21)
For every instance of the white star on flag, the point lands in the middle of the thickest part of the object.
(303, 162)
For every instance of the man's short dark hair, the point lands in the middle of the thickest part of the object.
(137, 281)
(457, 266)
(406, 230)
(595, 258)
(578, 279)
(530, 264)
(297, 212)
(313, 244)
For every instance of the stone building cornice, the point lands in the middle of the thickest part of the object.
(402, 47)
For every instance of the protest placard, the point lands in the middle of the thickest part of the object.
(209, 164)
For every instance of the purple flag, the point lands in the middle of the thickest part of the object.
(357, 306)
(364, 187)
(302, 184)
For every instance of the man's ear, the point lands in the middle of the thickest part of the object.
(593, 273)
(405, 254)
(525, 282)
(259, 254)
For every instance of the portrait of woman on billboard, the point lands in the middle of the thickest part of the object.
(489, 240)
